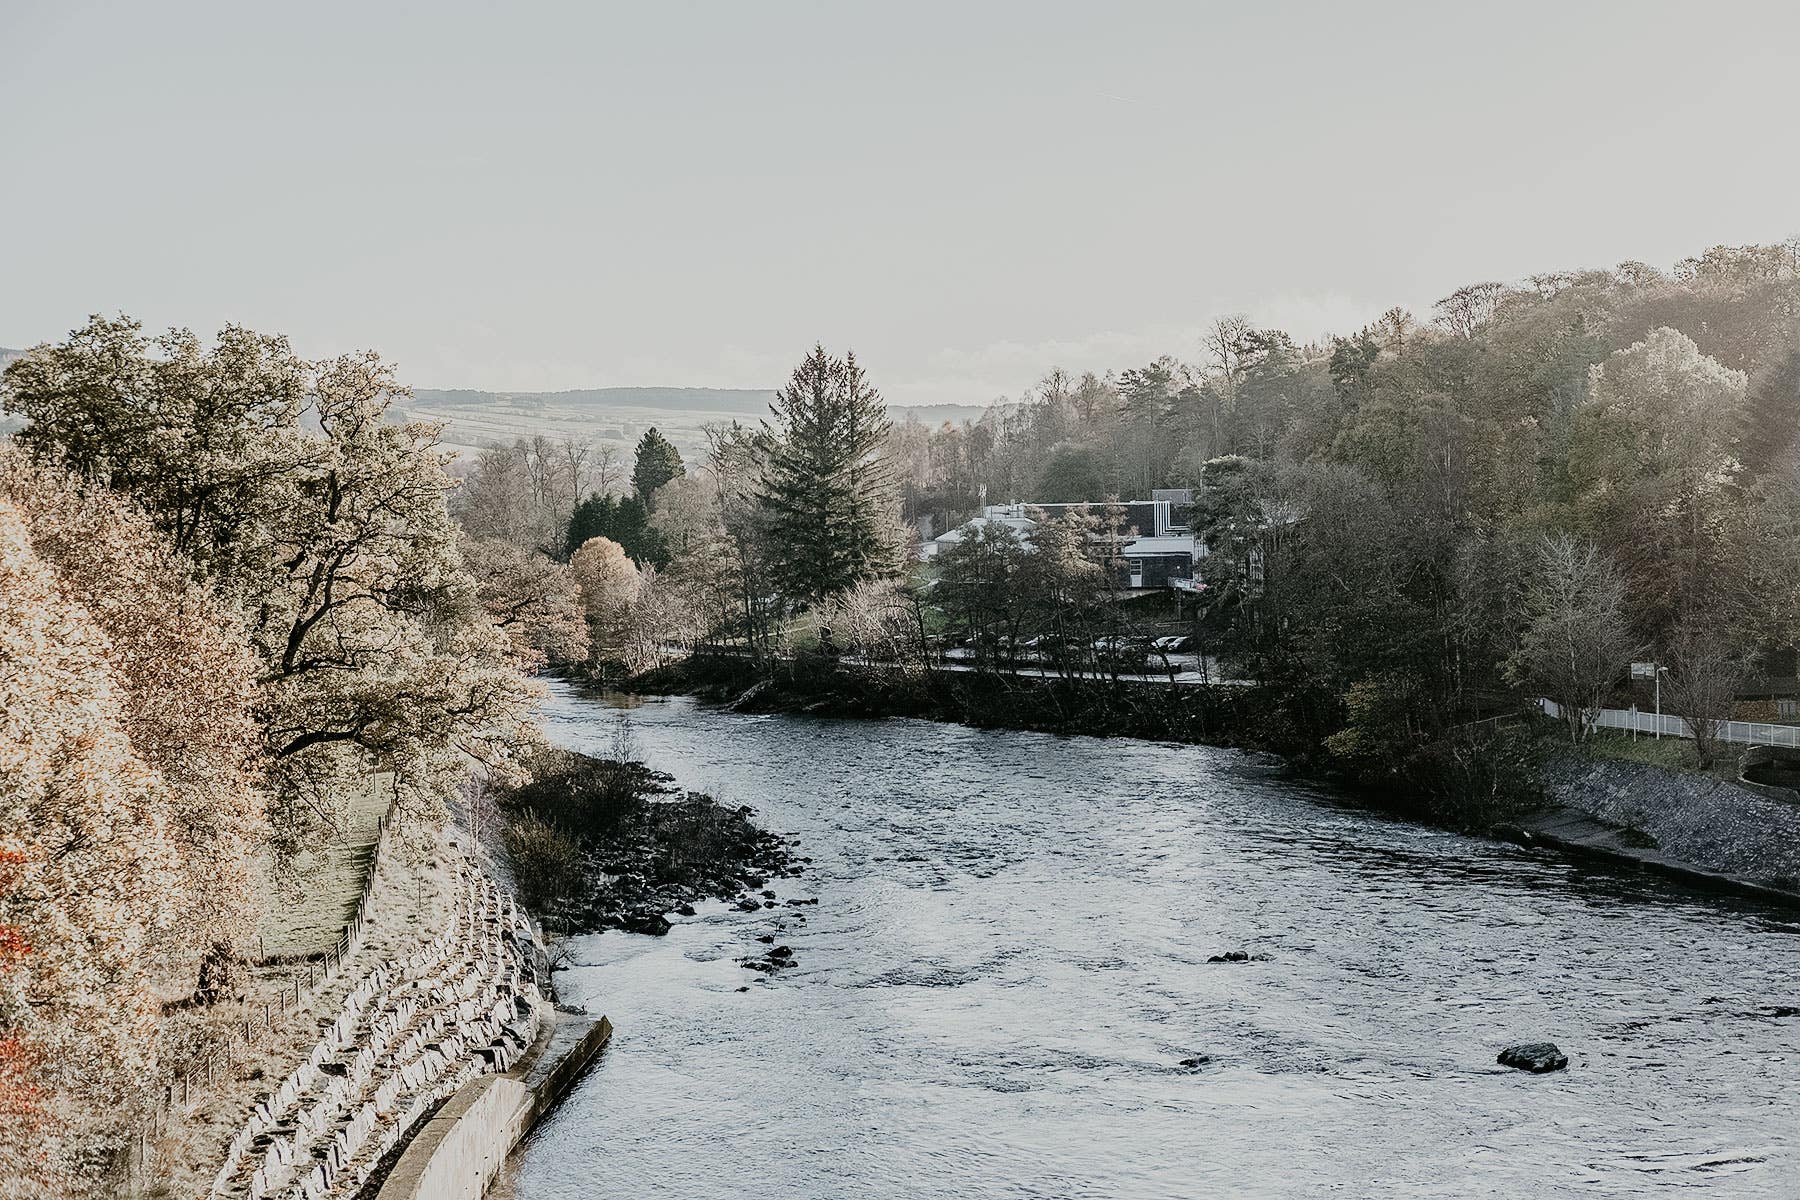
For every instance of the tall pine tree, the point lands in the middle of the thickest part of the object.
(657, 462)
(829, 486)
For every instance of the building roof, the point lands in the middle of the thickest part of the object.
(1145, 546)
(1019, 525)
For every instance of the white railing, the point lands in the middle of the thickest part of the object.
(1741, 733)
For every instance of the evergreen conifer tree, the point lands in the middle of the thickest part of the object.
(829, 485)
(657, 462)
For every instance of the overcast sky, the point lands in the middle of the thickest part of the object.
(519, 196)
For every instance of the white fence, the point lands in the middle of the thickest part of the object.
(1742, 733)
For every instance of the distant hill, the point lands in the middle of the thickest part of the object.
(744, 401)
(674, 399)
(616, 416)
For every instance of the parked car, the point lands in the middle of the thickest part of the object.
(1122, 653)
(1174, 644)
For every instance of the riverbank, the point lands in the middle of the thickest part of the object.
(1707, 831)
(610, 844)
(1710, 832)
(458, 1152)
(1195, 713)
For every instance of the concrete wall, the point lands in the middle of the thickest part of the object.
(457, 1154)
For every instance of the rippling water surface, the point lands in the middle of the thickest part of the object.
(1007, 965)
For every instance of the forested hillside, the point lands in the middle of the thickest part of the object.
(1413, 517)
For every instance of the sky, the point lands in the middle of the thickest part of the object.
(542, 196)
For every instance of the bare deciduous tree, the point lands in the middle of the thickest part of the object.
(1576, 642)
(1706, 665)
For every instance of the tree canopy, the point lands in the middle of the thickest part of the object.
(656, 463)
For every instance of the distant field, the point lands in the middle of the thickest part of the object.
(613, 416)
(605, 416)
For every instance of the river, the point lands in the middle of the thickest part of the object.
(1007, 966)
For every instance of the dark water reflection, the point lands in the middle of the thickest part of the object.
(1008, 964)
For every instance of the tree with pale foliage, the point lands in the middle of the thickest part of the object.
(90, 879)
(377, 651)
(665, 614)
(524, 493)
(609, 583)
(1575, 645)
(877, 621)
(186, 686)
(1653, 459)
(534, 598)
(301, 501)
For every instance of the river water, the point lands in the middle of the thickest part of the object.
(1007, 965)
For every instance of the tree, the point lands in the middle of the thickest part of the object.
(829, 485)
(1771, 422)
(609, 583)
(1469, 307)
(1652, 459)
(741, 572)
(196, 436)
(979, 591)
(665, 612)
(89, 871)
(301, 501)
(1071, 475)
(523, 493)
(685, 511)
(1575, 644)
(657, 463)
(1062, 584)
(186, 689)
(622, 519)
(1706, 667)
(532, 597)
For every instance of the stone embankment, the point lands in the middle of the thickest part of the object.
(1708, 831)
(411, 1033)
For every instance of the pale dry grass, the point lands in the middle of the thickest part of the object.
(307, 916)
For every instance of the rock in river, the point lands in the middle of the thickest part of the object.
(1536, 1057)
(645, 921)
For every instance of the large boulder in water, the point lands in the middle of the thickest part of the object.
(1536, 1057)
(645, 921)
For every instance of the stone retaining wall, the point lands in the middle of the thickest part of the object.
(413, 1032)
(1683, 821)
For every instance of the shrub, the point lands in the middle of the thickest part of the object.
(546, 862)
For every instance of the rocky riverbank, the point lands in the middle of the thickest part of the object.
(605, 844)
(1706, 830)
(816, 686)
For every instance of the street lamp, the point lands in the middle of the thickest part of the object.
(1659, 674)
